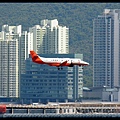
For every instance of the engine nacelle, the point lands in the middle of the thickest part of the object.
(71, 65)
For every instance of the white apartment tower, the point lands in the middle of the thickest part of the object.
(13, 52)
(50, 38)
(23, 51)
(9, 74)
(106, 49)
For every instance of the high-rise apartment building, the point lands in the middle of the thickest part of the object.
(106, 49)
(9, 71)
(13, 52)
(49, 37)
(23, 50)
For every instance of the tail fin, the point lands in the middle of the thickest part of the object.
(34, 56)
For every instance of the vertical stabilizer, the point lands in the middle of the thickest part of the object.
(34, 56)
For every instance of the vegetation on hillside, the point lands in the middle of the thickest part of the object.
(77, 16)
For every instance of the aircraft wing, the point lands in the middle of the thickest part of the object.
(63, 63)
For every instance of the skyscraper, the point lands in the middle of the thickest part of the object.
(106, 49)
(9, 74)
(9, 61)
(49, 37)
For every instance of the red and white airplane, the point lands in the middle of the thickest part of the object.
(58, 62)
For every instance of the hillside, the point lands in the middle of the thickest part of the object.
(77, 16)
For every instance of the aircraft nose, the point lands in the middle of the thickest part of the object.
(85, 63)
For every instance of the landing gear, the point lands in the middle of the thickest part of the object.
(60, 68)
(81, 66)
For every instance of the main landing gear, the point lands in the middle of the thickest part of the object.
(81, 66)
(60, 68)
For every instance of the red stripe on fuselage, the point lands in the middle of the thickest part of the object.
(58, 64)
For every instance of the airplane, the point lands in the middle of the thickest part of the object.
(58, 62)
